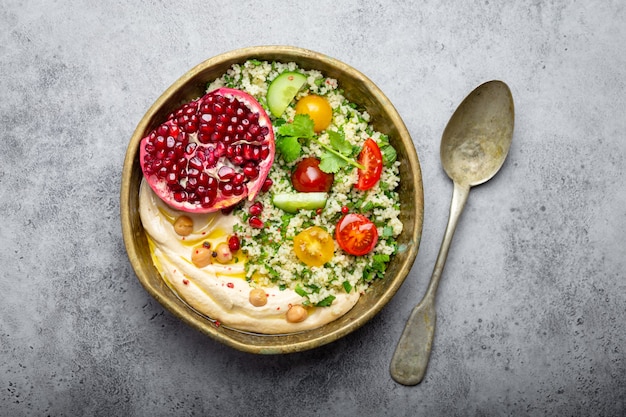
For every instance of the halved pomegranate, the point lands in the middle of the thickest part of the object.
(211, 153)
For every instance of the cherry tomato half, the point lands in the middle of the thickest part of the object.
(371, 158)
(356, 234)
(314, 246)
(318, 109)
(307, 177)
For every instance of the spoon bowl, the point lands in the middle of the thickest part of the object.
(478, 136)
(474, 145)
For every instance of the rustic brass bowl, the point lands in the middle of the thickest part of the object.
(358, 89)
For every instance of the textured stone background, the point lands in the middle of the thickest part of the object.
(533, 302)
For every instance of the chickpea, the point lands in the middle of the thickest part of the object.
(183, 226)
(258, 298)
(222, 253)
(296, 314)
(202, 256)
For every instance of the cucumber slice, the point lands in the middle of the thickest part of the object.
(282, 90)
(292, 202)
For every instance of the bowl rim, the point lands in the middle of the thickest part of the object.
(198, 321)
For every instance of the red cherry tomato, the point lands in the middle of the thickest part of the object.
(371, 158)
(307, 177)
(356, 234)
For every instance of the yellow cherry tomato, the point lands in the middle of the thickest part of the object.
(314, 246)
(318, 109)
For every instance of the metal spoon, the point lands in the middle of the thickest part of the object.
(474, 146)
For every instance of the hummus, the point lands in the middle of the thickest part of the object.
(221, 291)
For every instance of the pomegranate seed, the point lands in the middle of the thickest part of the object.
(267, 184)
(239, 189)
(179, 150)
(195, 163)
(239, 179)
(204, 137)
(255, 222)
(203, 179)
(211, 193)
(256, 209)
(159, 143)
(233, 243)
(345, 210)
(148, 169)
(226, 173)
(192, 183)
(171, 178)
(246, 151)
(220, 127)
(223, 119)
(227, 189)
(190, 148)
(220, 150)
(251, 171)
(180, 196)
(191, 126)
(318, 211)
(163, 130)
(254, 130)
(207, 200)
(217, 108)
(211, 160)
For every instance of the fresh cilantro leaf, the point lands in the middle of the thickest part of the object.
(301, 127)
(339, 143)
(330, 163)
(289, 147)
(279, 122)
(334, 156)
(288, 136)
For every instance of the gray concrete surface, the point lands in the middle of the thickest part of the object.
(533, 301)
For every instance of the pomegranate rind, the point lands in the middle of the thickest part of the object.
(175, 126)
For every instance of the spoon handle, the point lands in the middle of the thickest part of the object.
(410, 359)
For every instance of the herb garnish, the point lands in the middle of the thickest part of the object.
(338, 153)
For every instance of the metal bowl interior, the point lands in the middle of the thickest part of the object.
(358, 89)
